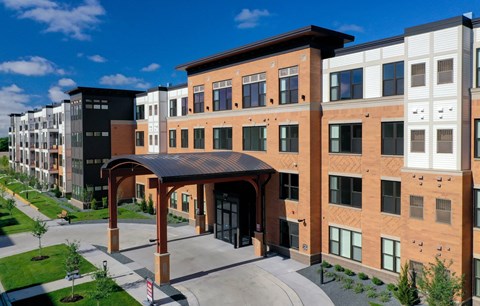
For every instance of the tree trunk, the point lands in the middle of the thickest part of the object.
(40, 246)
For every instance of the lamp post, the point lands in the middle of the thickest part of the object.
(105, 268)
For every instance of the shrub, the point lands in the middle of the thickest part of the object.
(349, 272)
(358, 288)
(326, 264)
(377, 281)
(105, 202)
(362, 276)
(143, 205)
(384, 296)
(150, 206)
(57, 192)
(391, 287)
(347, 283)
(93, 204)
(339, 268)
(371, 294)
(370, 288)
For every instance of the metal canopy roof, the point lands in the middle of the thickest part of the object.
(184, 167)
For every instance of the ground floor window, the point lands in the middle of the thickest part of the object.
(173, 200)
(346, 243)
(288, 234)
(185, 203)
(140, 191)
(477, 277)
(391, 255)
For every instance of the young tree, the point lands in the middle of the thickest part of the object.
(105, 202)
(72, 263)
(406, 292)
(439, 285)
(150, 206)
(93, 204)
(104, 285)
(143, 205)
(39, 229)
(10, 205)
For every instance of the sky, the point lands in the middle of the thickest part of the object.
(50, 46)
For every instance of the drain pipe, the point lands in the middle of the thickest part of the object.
(264, 219)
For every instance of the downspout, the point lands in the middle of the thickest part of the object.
(264, 219)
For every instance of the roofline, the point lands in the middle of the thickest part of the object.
(476, 22)
(439, 25)
(308, 30)
(178, 86)
(384, 42)
(77, 90)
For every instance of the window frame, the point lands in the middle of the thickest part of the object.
(476, 148)
(287, 142)
(259, 95)
(476, 276)
(199, 102)
(292, 231)
(476, 208)
(223, 142)
(355, 143)
(396, 79)
(414, 77)
(396, 196)
(140, 112)
(448, 73)
(185, 202)
(341, 194)
(257, 140)
(445, 202)
(139, 141)
(395, 256)
(139, 191)
(199, 143)
(218, 94)
(412, 141)
(337, 89)
(352, 247)
(289, 95)
(416, 205)
(173, 107)
(184, 101)
(287, 187)
(184, 138)
(174, 200)
(397, 141)
(448, 142)
(172, 138)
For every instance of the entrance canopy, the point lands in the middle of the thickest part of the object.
(183, 167)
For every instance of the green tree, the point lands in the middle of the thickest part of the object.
(143, 205)
(39, 229)
(439, 285)
(4, 163)
(150, 206)
(72, 262)
(406, 292)
(104, 285)
(4, 144)
(105, 202)
(93, 204)
(10, 205)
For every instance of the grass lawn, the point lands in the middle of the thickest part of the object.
(18, 271)
(103, 214)
(16, 223)
(118, 297)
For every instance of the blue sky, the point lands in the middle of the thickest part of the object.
(49, 46)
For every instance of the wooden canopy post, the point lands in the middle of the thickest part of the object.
(113, 231)
(258, 245)
(162, 257)
(200, 214)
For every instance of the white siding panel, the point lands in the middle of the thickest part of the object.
(418, 112)
(345, 60)
(418, 45)
(392, 51)
(445, 40)
(477, 34)
(445, 90)
(445, 111)
(325, 64)
(372, 55)
(445, 161)
(420, 92)
(373, 82)
(418, 160)
(326, 89)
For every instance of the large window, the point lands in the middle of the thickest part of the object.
(417, 141)
(346, 85)
(393, 79)
(345, 243)
(222, 138)
(173, 200)
(222, 95)
(184, 138)
(140, 191)
(346, 138)
(185, 202)
(444, 141)
(289, 234)
(477, 276)
(199, 138)
(289, 186)
(476, 142)
(418, 75)
(288, 85)
(288, 138)
(139, 139)
(416, 207)
(172, 138)
(443, 211)
(345, 190)
(184, 106)
(392, 138)
(173, 108)
(478, 68)
(391, 255)
(391, 202)
(140, 112)
(476, 207)
(198, 99)
(255, 138)
(445, 71)
(254, 90)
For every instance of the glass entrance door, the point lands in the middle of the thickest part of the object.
(226, 220)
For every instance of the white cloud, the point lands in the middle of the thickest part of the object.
(121, 80)
(97, 58)
(71, 21)
(350, 28)
(66, 82)
(248, 19)
(56, 94)
(12, 100)
(151, 67)
(32, 66)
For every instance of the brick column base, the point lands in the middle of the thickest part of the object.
(258, 246)
(162, 268)
(113, 240)
(200, 224)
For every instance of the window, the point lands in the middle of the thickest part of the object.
(416, 268)
(345, 243)
(477, 138)
(185, 203)
(150, 140)
(255, 138)
(184, 106)
(155, 110)
(346, 85)
(392, 138)
(288, 85)
(288, 138)
(173, 138)
(417, 141)
(393, 79)
(443, 211)
(445, 141)
(346, 138)
(222, 138)
(288, 234)
(476, 208)
(445, 71)
(199, 138)
(140, 191)
(173, 200)
(139, 139)
(289, 186)
(418, 75)
(173, 108)
(477, 277)
(140, 114)
(391, 202)
(391, 255)
(254, 90)
(346, 190)
(184, 138)
(198, 98)
(149, 110)
(416, 207)
(156, 140)
(222, 95)
(478, 68)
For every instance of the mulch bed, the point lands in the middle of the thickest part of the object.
(72, 298)
(38, 258)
